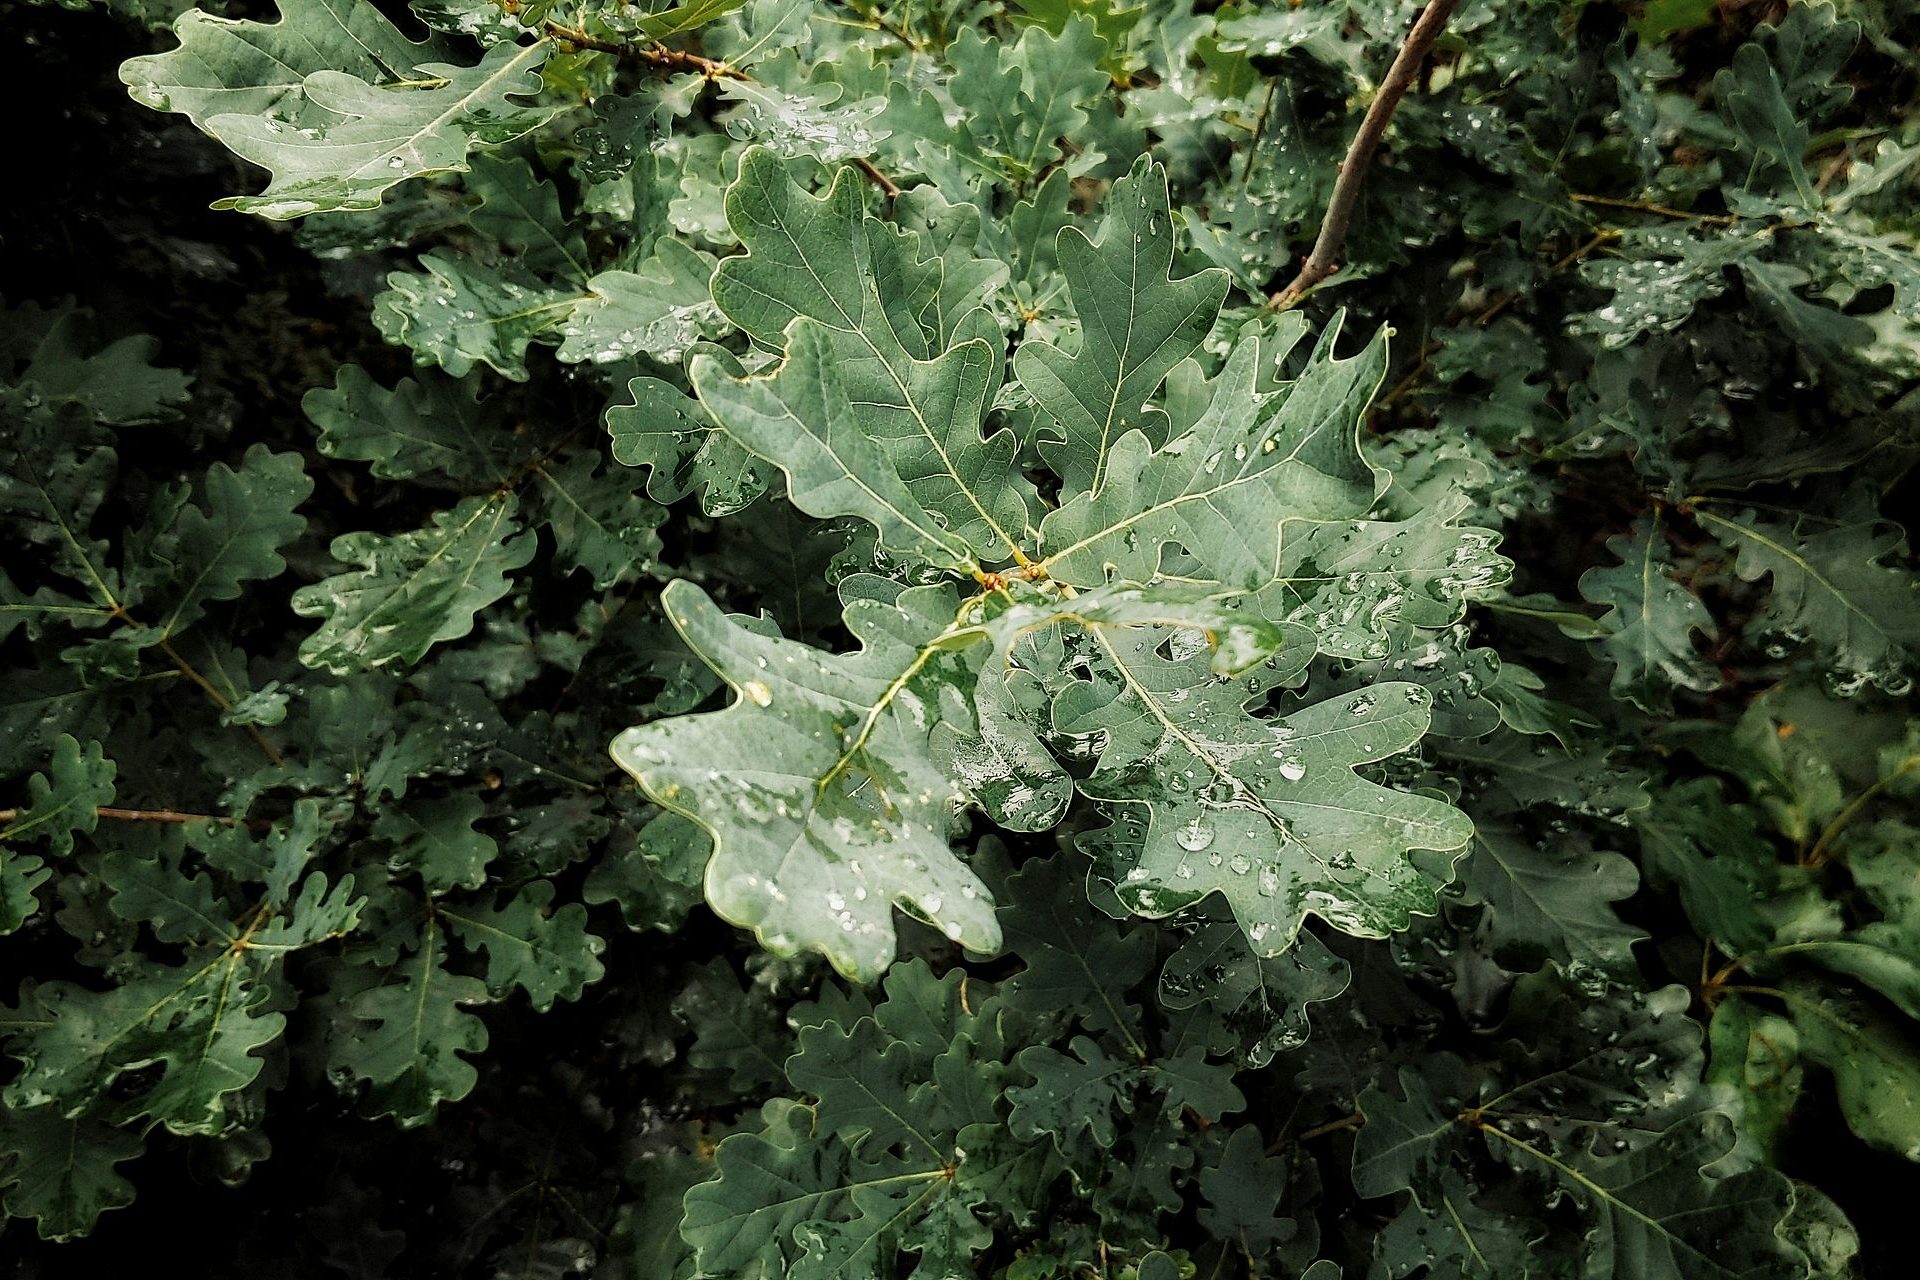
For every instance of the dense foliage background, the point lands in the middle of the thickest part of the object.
(1570, 710)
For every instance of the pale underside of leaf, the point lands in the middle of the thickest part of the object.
(825, 805)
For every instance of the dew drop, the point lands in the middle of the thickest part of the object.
(1194, 835)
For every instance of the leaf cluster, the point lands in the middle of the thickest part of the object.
(813, 681)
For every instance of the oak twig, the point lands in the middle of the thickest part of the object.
(680, 60)
(877, 178)
(664, 58)
(222, 701)
(1646, 206)
(1324, 260)
(159, 815)
(872, 17)
(1606, 235)
(1353, 1121)
(1819, 854)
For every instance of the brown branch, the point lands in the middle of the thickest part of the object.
(187, 669)
(1604, 236)
(877, 178)
(159, 815)
(220, 700)
(1643, 206)
(1835, 167)
(1412, 377)
(653, 54)
(1324, 260)
(679, 60)
(872, 17)
(1818, 855)
(1353, 1121)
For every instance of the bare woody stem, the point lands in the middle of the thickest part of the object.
(1642, 206)
(665, 59)
(220, 700)
(887, 185)
(205, 686)
(679, 60)
(871, 15)
(1325, 258)
(156, 815)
